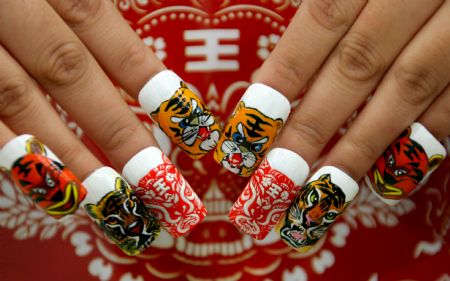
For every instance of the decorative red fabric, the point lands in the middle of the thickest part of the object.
(217, 46)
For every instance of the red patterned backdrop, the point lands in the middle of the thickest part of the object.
(217, 46)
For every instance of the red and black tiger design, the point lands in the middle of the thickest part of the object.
(401, 167)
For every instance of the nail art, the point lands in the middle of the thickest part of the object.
(256, 120)
(38, 172)
(319, 203)
(180, 113)
(269, 193)
(406, 163)
(164, 191)
(116, 209)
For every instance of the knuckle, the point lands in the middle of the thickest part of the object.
(132, 56)
(309, 130)
(69, 152)
(14, 95)
(288, 69)
(358, 59)
(417, 83)
(330, 14)
(65, 64)
(76, 12)
(119, 136)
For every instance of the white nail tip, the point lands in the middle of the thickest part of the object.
(429, 143)
(98, 183)
(289, 163)
(16, 148)
(139, 165)
(267, 100)
(348, 185)
(158, 89)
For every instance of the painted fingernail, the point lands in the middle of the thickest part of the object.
(180, 113)
(269, 193)
(39, 173)
(116, 209)
(164, 191)
(406, 163)
(318, 204)
(256, 120)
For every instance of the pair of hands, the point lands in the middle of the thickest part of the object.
(397, 51)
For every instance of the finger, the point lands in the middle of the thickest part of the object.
(297, 55)
(61, 64)
(74, 91)
(6, 134)
(121, 53)
(264, 108)
(111, 40)
(352, 72)
(41, 175)
(24, 109)
(437, 117)
(410, 86)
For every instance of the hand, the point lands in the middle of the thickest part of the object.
(399, 51)
(66, 47)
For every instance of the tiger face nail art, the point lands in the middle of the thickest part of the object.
(41, 176)
(410, 159)
(316, 208)
(116, 209)
(180, 113)
(246, 139)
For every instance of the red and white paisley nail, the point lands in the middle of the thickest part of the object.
(164, 191)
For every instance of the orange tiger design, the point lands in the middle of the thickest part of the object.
(187, 122)
(246, 140)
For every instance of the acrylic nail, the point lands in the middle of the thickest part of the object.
(318, 204)
(269, 193)
(405, 164)
(39, 173)
(116, 209)
(180, 113)
(255, 123)
(164, 191)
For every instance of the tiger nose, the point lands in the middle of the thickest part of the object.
(194, 122)
(243, 149)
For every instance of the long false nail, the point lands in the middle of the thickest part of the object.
(405, 164)
(164, 191)
(180, 113)
(255, 123)
(269, 193)
(319, 203)
(39, 173)
(116, 209)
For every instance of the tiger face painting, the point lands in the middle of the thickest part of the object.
(401, 167)
(246, 139)
(314, 210)
(125, 220)
(47, 182)
(187, 122)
